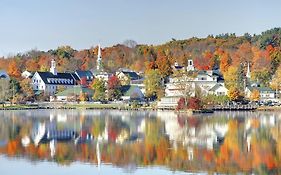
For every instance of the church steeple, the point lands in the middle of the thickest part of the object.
(99, 59)
(53, 69)
(248, 75)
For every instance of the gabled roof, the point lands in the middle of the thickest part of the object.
(261, 89)
(214, 88)
(3, 74)
(48, 76)
(88, 74)
(128, 90)
(77, 90)
(131, 75)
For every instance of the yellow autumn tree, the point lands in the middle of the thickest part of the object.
(255, 95)
(233, 93)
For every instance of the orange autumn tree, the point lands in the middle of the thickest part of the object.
(225, 62)
(163, 65)
(13, 69)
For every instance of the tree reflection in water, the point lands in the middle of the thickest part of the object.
(221, 142)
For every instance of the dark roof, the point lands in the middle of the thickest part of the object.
(49, 78)
(3, 76)
(75, 76)
(178, 67)
(132, 75)
(88, 74)
(127, 90)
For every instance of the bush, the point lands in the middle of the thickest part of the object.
(181, 104)
(194, 103)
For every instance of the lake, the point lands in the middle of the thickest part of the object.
(139, 142)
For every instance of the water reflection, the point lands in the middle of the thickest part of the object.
(227, 142)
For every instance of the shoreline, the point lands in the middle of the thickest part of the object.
(121, 107)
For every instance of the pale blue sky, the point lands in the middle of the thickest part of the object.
(47, 24)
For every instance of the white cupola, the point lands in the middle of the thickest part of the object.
(53, 69)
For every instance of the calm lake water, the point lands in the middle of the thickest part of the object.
(133, 142)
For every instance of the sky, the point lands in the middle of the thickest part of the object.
(81, 24)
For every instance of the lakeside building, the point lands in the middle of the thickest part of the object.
(209, 82)
(130, 92)
(190, 80)
(49, 82)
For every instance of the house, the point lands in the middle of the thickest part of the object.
(71, 94)
(126, 76)
(205, 80)
(4, 75)
(130, 92)
(82, 76)
(170, 102)
(26, 74)
(266, 93)
(219, 89)
(49, 82)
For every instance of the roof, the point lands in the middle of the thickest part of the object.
(131, 74)
(261, 89)
(127, 90)
(88, 74)
(215, 87)
(77, 90)
(3, 74)
(59, 79)
(75, 76)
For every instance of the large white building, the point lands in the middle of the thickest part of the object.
(49, 82)
(186, 84)
(209, 82)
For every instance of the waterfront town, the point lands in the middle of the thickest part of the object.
(184, 82)
(140, 87)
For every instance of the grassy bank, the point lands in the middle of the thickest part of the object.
(11, 107)
(269, 108)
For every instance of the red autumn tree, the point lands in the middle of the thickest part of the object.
(113, 86)
(194, 103)
(181, 104)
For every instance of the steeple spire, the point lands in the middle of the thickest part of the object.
(99, 59)
(248, 75)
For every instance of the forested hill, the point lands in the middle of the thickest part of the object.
(226, 51)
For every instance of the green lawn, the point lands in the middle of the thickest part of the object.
(99, 106)
(16, 106)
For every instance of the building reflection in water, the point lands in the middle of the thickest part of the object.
(221, 142)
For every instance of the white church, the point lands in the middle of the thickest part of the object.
(49, 82)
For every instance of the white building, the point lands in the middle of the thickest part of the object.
(49, 82)
(26, 74)
(99, 72)
(209, 82)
